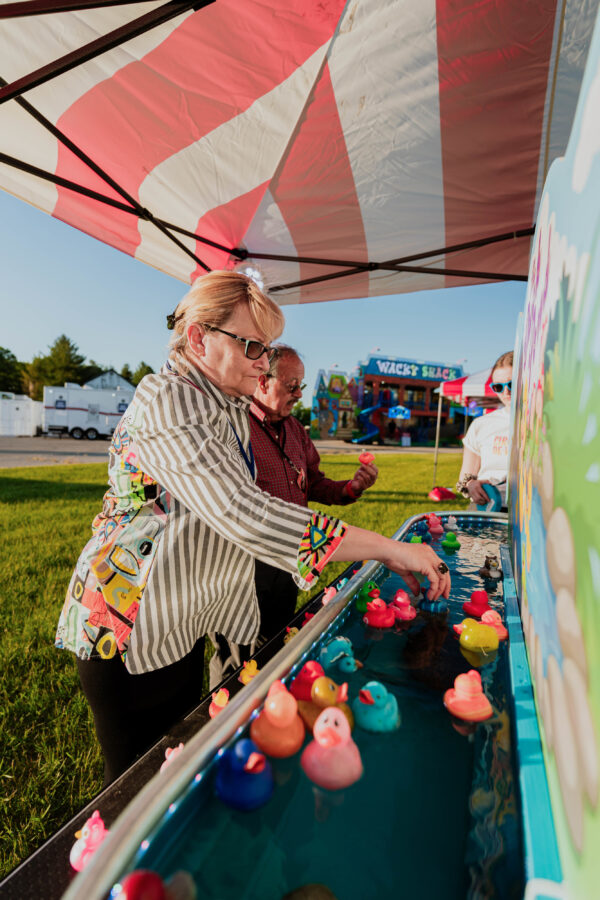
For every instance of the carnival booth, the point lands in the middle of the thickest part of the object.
(476, 738)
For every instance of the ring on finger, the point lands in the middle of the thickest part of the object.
(443, 568)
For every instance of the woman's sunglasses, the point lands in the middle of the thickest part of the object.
(252, 349)
(499, 387)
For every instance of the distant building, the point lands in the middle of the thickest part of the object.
(357, 407)
(20, 416)
(109, 380)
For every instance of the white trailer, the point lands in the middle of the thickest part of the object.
(19, 415)
(84, 411)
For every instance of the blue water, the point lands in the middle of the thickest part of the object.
(436, 814)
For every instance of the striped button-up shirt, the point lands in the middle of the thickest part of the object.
(172, 556)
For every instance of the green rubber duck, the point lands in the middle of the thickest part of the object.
(365, 595)
(450, 543)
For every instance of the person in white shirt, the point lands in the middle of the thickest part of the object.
(485, 457)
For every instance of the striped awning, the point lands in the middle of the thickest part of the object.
(470, 387)
(345, 148)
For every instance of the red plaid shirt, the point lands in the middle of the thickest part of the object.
(276, 475)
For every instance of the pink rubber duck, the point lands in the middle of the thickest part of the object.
(303, 682)
(278, 730)
(378, 614)
(328, 595)
(219, 701)
(88, 840)
(332, 760)
(171, 753)
(492, 618)
(402, 607)
(434, 523)
(477, 605)
(466, 699)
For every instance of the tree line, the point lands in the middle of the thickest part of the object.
(62, 363)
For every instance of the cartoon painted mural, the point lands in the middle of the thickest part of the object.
(555, 486)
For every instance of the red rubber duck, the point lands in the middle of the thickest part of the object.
(477, 605)
(379, 615)
(303, 682)
(146, 885)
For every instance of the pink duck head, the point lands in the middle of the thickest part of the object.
(402, 608)
(332, 760)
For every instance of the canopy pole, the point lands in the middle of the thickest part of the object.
(437, 435)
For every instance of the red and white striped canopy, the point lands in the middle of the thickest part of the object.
(346, 148)
(470, 387)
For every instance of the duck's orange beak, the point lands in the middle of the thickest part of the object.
(328, 737)
(366, 697)
(342, 694)
(255, 763)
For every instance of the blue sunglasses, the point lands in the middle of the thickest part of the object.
(499, 387)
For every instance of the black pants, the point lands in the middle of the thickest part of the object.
(132, 712)
(277, 595)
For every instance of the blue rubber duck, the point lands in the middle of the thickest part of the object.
(375, 709)
(244, 776)
(338, 654)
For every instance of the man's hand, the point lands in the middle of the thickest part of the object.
(364, 478)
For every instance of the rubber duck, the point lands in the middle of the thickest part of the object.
(171, 753)
(422, 530)
(451, 523)
(219, 701)
(475, 636)
(466, 699)
(341, 583)
(291, 633)
(375, 709)
(146, 885)
(450, 542)
(366, 458)
(368, 591)
(332, 760)
(328, 595)
(278, 730)
(477, 659)
(416, 539)
(323, 693)
(88, 840)
(435, 525)
(434, 606)
(249, 671)
(307, 617)
(338, 654)
(379, 614)
(402, 607)
(244, 776)
(477, 604)
(493, 619)
(491, 568)
(302, 684)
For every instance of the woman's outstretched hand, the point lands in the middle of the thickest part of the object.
(405, 559)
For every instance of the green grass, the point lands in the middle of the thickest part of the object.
(50, 765)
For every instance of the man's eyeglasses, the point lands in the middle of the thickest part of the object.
(499, 386)
(252, 349)
(295, 386)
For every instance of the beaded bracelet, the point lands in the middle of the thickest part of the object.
(461, 486)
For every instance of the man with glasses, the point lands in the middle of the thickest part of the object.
(287, 466)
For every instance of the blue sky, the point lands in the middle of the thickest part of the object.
(58, 280)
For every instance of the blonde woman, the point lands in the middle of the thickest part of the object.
(172, 553)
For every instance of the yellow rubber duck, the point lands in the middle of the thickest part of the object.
(249, 670)
(477, 637)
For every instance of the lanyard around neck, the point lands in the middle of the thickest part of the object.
(247, 457)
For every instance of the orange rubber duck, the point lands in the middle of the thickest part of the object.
(323, 693)
(302, 684)
(466, 699)
(219, 701)
(278, 730)
(477, 605)
(492, 618)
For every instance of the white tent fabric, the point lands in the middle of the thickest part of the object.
(336, 146)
